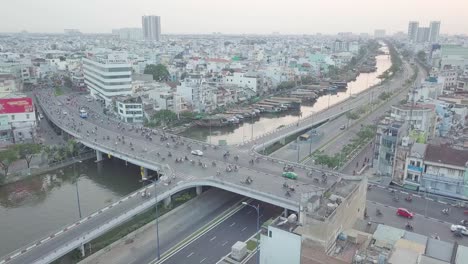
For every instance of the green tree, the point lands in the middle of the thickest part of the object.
(163, 117)
(7, 157)
(421, 56)
(351, 116)
(27, 151)
(159, 72)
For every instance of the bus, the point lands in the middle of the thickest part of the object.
(83, 113)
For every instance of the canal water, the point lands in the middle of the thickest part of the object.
(268, 122)
(35, 207)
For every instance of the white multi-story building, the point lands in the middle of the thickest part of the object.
(241, 79)
(129, 33)
(108, 74)
(198, 93)
(419, 117)
(151, 28)
(129, 109)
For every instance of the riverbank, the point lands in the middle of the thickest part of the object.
(25, 173)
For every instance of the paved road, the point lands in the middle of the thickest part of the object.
(215, 244)
(173, 227)
(422, 225)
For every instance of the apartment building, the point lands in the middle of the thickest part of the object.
(130, 108)
(420, 117)
(445, 171)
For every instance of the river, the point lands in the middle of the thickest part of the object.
(35, 207)
(247, 130)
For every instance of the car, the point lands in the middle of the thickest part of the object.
(405, 213)
(197, 152)
(343, 127)
(290, 175)
(460, 228)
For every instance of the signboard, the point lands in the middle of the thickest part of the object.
(16, 105)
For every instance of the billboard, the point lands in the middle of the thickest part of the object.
(16, 105)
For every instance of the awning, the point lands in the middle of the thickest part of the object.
(410, 187)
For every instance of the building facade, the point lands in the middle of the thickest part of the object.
(445, 171)
(413, 30)
(130, 109)
(17, 119)
(151, 28)
(434, 30)
(107, 74)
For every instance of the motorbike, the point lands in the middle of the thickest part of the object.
(378, 212)
(396, 199)
(445, 211)
(409, 198)
(409, 226)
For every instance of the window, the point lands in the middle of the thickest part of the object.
(416, 178)
(409, 176)
(270, 233)
(411, 162)
(418, 164)
(12, 117)
(27, 116)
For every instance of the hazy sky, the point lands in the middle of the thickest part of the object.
(233, 16)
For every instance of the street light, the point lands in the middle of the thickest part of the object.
(425, 197)
(257, 208)
(157, 218)
(78, 196)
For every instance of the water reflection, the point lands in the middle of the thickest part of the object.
(246, 131)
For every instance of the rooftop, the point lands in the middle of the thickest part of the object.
(446, 155)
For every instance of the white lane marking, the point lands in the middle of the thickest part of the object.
(248, 212)
(224, 243)
(213, 238)
(202, 260)
(243, 229)
(189, 255)
(233, 223)
(58, 233)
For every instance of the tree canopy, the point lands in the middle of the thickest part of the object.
(7, 157)
(27, 151)
(159, 72)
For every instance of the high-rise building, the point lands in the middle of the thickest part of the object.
(422, 35)
(380, 33)
(107, 74)
(129, 33)
(434, 28)
(151, 28)
(413, 30)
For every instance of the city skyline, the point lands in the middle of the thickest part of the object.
(298, 17)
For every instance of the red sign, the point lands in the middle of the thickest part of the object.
(16, 105)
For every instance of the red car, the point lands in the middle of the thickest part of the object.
(405, 213)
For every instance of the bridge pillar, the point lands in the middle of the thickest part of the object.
(144, 173)
(199, 189)
(167, 201)
(285, 212)
(98, 156)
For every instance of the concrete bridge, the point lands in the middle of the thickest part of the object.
(255, 176)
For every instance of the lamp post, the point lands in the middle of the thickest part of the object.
(425, 197)
(78, 197)
(257, 208)
(157, 217)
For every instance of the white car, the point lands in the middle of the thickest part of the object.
(463, 229)
(197, 152)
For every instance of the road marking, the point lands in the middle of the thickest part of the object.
(189, 255)
(202, 260)
(213, 238)
(224, 244)
(233, 223)
(243, 229)
(248, 212)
